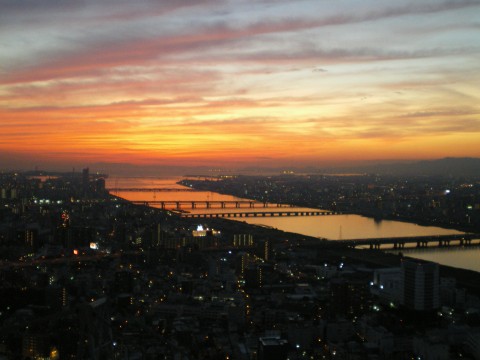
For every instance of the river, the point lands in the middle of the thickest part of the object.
(332, 227)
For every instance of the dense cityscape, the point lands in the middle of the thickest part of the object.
(449, 202)
(88, 275)
(239, 180)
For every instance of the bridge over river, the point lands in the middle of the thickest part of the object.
(209, 204)
(418, 241)
(239, 208)
(184, 189)
(260, 214)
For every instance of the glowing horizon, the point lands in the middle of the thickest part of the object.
(232, 83)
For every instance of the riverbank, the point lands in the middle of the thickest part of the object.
(271, 231)
(414, 200)
(467, 279)
(325, 249)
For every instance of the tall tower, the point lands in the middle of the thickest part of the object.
(421, 285)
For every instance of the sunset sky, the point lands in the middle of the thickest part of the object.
(237, 83)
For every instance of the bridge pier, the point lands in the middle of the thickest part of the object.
(422, 243)
(442, 243)
(398, 245)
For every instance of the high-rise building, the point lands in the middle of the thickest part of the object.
(85, 180)
(32, 238)
(348, 297)
(264, 249)
(95, 335)
(100, 185)
(421, 285)
(242, 261)
(254, 277)
(272, 348)
(35, 346)
(240, 240)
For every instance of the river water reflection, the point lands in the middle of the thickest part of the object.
(456, 256)
(343, 227)
(332, 227)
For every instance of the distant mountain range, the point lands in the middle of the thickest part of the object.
(449, 167)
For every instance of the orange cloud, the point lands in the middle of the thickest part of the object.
(202, 82)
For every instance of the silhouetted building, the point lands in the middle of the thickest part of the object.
(348, 297)
(253, 276)
(95, 335)
(242, 261)
(38, 346)
(420, 285)
(100, 185)
(85, 181)
(264, 249)
(56, 297)
(241, 240)
(32, 239)
(272, 348)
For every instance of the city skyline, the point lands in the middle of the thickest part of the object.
(235, 84)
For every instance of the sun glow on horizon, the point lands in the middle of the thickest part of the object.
(176, 83)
